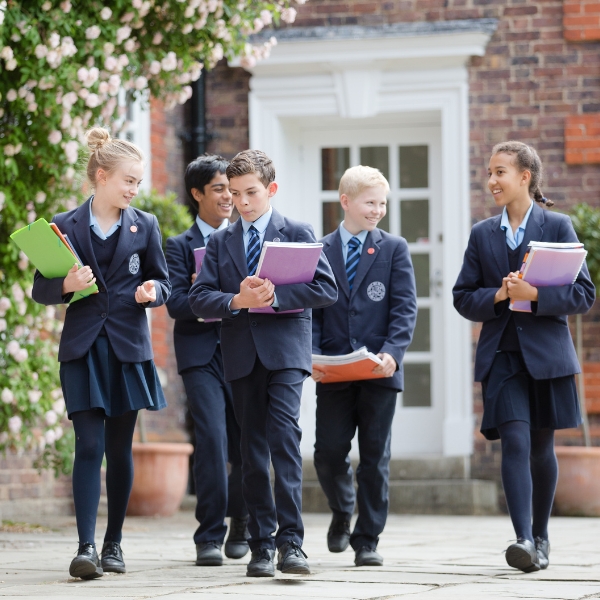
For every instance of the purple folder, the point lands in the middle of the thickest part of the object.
(199, 257)
(285, 263)
(549, 266)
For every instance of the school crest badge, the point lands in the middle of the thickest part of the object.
(134, 264)
(376, 291)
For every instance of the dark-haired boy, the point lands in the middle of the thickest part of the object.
(200, 365)
(266, 357)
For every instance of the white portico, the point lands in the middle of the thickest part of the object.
(394, 97)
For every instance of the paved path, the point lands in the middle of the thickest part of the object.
(433, 558)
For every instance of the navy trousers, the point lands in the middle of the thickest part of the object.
(370, 408)
(267, 408)
(217, 443)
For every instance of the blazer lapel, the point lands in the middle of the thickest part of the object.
(367, 258)
(333, 251)
(82, 235)
(195, 239)
(498, 245)
(534, 230)
(274, 231)
(126, 237)
(235, 247)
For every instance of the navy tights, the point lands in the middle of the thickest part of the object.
(95, 435)
(529, 475)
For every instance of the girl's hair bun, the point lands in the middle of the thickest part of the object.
(96, 138)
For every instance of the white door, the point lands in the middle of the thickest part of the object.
(409, 157)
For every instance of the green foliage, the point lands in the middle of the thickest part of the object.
(586, 222)
(173, 218)
(64, 67)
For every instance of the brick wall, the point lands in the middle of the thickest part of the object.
(581, 20)
(582, 139)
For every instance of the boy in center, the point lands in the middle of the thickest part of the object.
(266, 357)
(376, 308)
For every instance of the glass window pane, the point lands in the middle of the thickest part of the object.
(414, 220)
(334, 161)
(417, 385)
(421, 341)
(376, 157)
(414, 166)
(421, 266)
(333, 215)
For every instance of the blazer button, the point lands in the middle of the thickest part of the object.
(519, 329)
(353, 340)
(101, 289)
(104, 315)
(352, 313)
(253, 323)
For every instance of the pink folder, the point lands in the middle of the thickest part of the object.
(549, 266)
(285, 263)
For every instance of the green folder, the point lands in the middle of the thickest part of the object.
(48, 253)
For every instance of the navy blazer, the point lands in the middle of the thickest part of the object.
(195, 341)
(380, 312)
(544, 336)
(280, 341)
(138, 258)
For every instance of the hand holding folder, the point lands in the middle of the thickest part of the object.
(356, 366)
(50, 252)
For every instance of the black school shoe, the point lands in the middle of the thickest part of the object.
(542, 547)
(261, 563)
(366, 556)
(112, 558)
(208, 554)
(86, 565)
(523, 555)
(291, 559)
(338, 536)
(236, 544)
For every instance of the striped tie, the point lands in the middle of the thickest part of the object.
(253, 252)
(352, 259)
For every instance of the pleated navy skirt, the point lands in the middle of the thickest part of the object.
(510, 393)
(99, 380)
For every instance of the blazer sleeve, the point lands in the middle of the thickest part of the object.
(178, 305)
(205, 297)
(573, 299)
(319, 293)
(155, 267)
(403, 304)
(49, 291)
(471, 299)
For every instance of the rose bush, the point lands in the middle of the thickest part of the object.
(65, 66)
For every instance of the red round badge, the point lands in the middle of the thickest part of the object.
(133, 229)
(371, 251)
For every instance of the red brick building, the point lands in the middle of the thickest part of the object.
(421, 89)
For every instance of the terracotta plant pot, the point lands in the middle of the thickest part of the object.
(160, 478)
(578, 489)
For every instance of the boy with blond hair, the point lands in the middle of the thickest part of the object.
(266, 357)
(376, 308)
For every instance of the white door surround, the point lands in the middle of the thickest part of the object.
(396, 73)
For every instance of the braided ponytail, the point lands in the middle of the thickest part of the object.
(526, 159)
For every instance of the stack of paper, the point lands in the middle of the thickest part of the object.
(549, 263)
(199, 257)
(284, 263)
(50, 252)
(356, 366)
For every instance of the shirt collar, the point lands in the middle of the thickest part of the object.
(260, 224)
(206, 229)
(96, 227)
(505, 224)
(346, 235)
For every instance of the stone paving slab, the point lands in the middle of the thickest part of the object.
(426, 557)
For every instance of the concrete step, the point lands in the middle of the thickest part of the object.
(429, 497)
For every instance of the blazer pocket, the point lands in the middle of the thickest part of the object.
(133, 304)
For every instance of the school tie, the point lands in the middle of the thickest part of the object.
(352, 259)
(253, 251)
